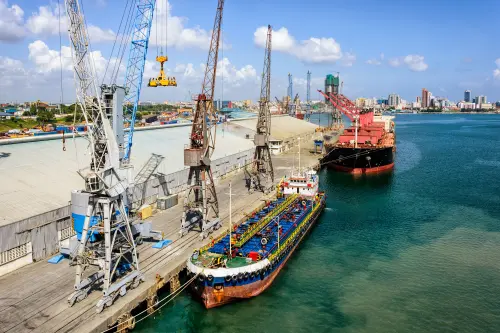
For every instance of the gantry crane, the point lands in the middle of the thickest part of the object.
(105, 236)
(201, 207)
(262, 175)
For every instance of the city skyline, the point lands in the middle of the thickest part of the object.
(30, 57)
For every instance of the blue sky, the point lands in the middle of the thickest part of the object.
(379, 47)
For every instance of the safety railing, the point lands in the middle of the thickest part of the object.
(259, 225)
(296, 232)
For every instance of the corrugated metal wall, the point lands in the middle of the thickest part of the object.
(19, 233)
(44, 241)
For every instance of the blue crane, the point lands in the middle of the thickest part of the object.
(143, 19)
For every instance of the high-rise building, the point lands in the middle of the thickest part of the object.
(394, 100)
(419, 99)
(480, 100)
(426, 98)
(331, 85)
(467, 95)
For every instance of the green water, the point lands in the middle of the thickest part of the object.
(414, 251)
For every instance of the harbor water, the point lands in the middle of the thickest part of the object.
(415, 250)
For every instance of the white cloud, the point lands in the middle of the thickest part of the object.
(282, 40)
(496, 71)
(45, 23)
(226, 73)
(376, 61)
(312, 50)
(172, 31)
(302, 82)
(348, 59)
(47, 60)
(395, 62)
(231, 74)
(11, 22)
(414, 62)
(98, 35)
(11, 71)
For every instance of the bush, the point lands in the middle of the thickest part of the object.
(45, 116)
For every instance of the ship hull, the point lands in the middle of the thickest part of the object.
(359, 160)
(217, 293)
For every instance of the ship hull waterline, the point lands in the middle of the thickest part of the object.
(360, 160)
(212, 297)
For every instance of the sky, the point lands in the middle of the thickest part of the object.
(378, 47)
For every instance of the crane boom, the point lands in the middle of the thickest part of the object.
(262, 163)
(201, 198)
(87, 95)
(135, 66)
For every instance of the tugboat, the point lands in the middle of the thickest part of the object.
(245, 260)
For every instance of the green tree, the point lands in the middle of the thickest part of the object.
(45, 117)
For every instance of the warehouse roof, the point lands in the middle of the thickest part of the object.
(37, 177)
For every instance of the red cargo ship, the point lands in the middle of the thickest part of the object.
(367, 146)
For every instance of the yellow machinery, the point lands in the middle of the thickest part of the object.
(162, 80)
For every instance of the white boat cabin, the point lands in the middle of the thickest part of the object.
(304, 183)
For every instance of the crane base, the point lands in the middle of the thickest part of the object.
(205, 227)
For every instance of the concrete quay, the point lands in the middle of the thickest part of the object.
(34, 298)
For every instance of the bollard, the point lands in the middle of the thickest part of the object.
(125, 323)
(174, 283)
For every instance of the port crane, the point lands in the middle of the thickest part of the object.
(283, 107)
(290, 95)
(105, 236)
(262, 175)
(135, 66)
(201, 207)
(308, 104)
(343, 104)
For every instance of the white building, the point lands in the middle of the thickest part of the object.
(394, 100)
(466, 105)
(486, 106)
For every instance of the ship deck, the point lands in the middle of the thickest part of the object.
(247, 237)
